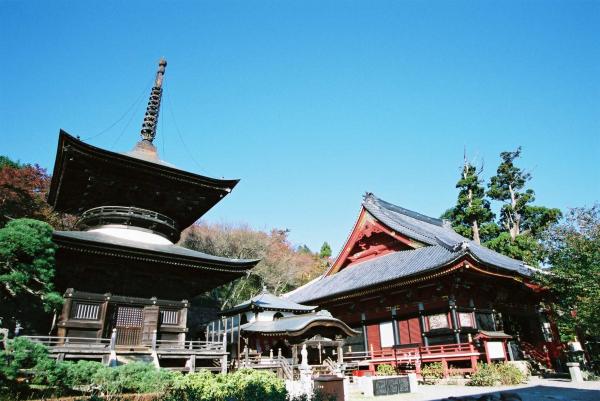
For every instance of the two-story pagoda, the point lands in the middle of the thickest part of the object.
(122, 270)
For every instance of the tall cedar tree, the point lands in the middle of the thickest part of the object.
(472, 216)
(574, 255)
(522, 222)
(27, 272)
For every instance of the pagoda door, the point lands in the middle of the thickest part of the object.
(128, 323)
(151, 314)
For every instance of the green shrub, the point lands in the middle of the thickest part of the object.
(385, 370)
(494, 374)
(20, 353)
(81, 374)
(134, 377)
(432, 371)
(242, 385)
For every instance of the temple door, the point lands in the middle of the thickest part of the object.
(151, 315)
(129, 325)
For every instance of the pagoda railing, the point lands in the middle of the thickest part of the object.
(130, 216)
(59, 344)
(75, 342)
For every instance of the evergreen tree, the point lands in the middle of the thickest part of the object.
(27, 272)
(574, 256)
(522, 223)
(472, 216)
(325, 251)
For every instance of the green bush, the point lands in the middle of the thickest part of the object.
(20, 353)
(494, 374)
(134, 377)
(242, 385)
(385, 370)
(81, 374)
(432, 371)
(25, 361)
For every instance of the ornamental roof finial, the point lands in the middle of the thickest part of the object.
(150, 123)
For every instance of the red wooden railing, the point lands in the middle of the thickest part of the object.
(417, 355)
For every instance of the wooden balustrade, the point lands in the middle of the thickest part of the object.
(126, 337)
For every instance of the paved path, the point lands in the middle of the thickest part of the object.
(536, 390)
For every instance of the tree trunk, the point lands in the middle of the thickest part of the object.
(515, 216)
(475, 228)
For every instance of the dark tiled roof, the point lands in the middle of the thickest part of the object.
(169, 251)
(296, 323)
(267, 301)
(442, 246)
(437, 232)
(376, 271)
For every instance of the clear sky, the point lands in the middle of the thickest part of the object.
(312, 103)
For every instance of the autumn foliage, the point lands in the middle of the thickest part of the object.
(281, 269)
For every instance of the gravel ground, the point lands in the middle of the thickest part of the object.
(536, 390)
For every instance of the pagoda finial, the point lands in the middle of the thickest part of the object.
(150, 123)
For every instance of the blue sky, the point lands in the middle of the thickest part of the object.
(313, 103)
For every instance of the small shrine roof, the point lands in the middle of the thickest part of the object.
(298, 325)
(109, 242)
(443, 246)
(265, 301)
(493, 335)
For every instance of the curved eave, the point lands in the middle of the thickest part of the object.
(237, 267)
(327, 323)
(462, 260)
(67, 141)
(401, 281)
(253, 307)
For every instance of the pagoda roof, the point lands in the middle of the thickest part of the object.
(86, 177)
(298, 325)
(170, 254)
(442, 248)
(265, 301)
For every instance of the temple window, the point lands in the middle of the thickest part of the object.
(84, 311)
(386, 333)
(169, 317)
(278, 315)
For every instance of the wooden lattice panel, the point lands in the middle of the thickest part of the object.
(169, 317)
(128, 316)
(86, 311)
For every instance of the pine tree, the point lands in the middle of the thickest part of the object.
(522, 223)
(472, 216)
(325, 251)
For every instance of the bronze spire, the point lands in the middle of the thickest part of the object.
(148, 131)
